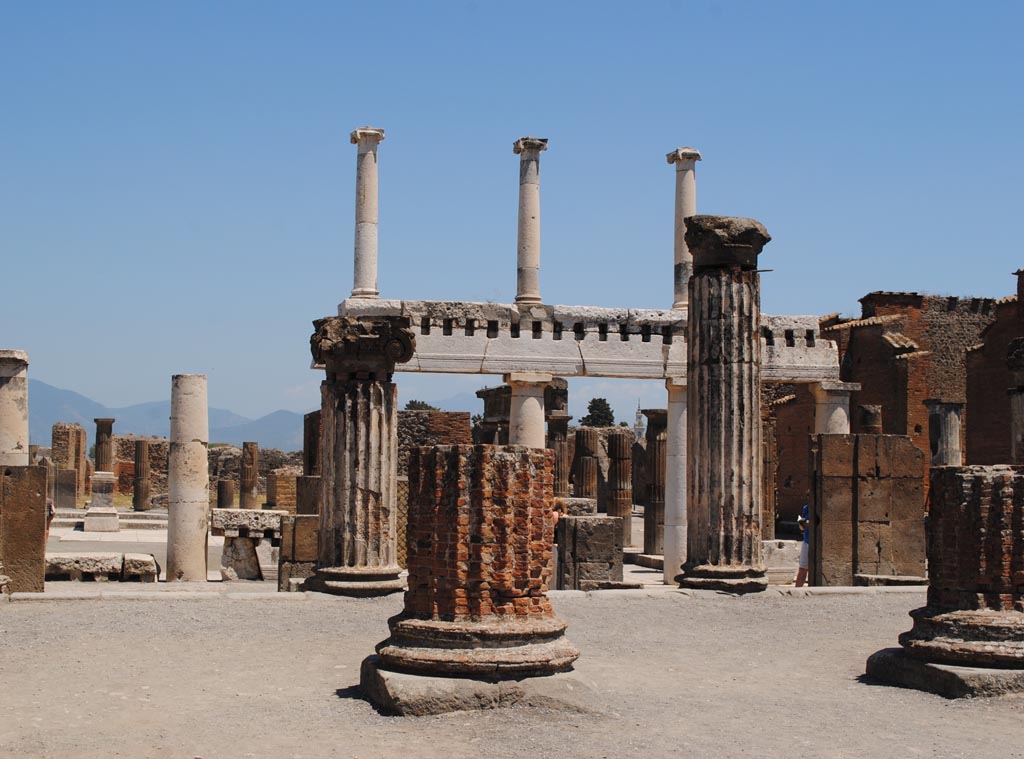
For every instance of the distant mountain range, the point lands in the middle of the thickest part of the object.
(49, 404)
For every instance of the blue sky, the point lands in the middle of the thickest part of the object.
(177, 181)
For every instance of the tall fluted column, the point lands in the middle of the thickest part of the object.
(832, 407)
(685, 160)
(620, 481)
(526, 414)
(249, 476)
(944, 432)
(13, 408)
(365, 281)
(140, 484)
(104, 454)
(676, 494)
(358, 470)
(724, 431)
(528, 241)
(188, 480)
(654, 510)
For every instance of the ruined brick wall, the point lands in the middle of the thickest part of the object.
(417, 428)
(480, 532)
(281, 489)
(975, 534)
(70, 447)
(988, 424)
(868, 510)
(794, 425)
(869, 361)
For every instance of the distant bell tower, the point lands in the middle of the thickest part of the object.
(638, 422)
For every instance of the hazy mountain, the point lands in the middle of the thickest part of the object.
(49, 404)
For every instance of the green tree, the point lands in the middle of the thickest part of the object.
(599, 414)
(415, 405)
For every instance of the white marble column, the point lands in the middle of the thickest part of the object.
(365, 283)
(832, 407)
(685, 160)
(528, 242)
(526, 416)
(675, 480)
(13, 408)
(944, 432)
(188, 480)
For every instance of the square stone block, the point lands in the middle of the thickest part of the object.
(101, 518)
(299, 537)
(23, 526)
(65, 489)
(835, 455)
(874, 499)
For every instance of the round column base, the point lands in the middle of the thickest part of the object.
(491, 649)
(360, 582)
(741, 579)
(975, 638)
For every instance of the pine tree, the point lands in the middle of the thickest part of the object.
(599, 414)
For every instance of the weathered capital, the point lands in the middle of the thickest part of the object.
(366, 134)
(720, 241)
(682, 155)
(524, 144)
(373, 346)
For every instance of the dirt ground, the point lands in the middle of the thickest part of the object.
(713, 676)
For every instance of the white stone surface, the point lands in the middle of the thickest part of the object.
(101, 519)
(13, 408)
(675, 481)
(526, 414)
(365, 279)
(188, 480)
(832, 407)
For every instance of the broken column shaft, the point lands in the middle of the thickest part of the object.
(13, 408)
(188, 480)
(685, 160)
(620, 481)
(528, 240)
(249, 476)
(724, 432)
(944, 432)
(359, 453)
(140, 483)
(365, 280)
(526, 413)
(584, 475)
(104, 452)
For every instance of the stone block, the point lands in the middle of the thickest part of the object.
(836, 499)
(65, 489)
(281, 492)
(101, 518)
(874, 499)
(576, 507)
(867, 457)
(307, 495)
(96, 566)
(874, 548)
(908, 498)
(140, 567)
(899, 457)
(299, 537)
(292, 574)
(894, 666)
(908, 546)
(836, 455)
(248, 523)
(23, 527)
(589, 551)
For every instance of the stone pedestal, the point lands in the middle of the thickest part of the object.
(188, 480)
(685, 160)
(359, 450)
(102, 516)
(585, 466)
(724, 434)
(974, 617)
(141, 483)
(528, 239)
(832, 407)
(104, 452)
(620, 481)
(654, 510)
(944, 432)
(13, 408)
(367, 139)
(480, 555)
(249, 477)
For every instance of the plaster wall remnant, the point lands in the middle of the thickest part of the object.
(654, 510)
(141, 473)
(966, 640)
(248, 477)
(13, 408)
(480, 559)
(367, 139)
(528, 238)
(104, 452)
(685, 160)
(359, 453)
(944, 423)
(724, 433)
(620, 481)
(188, 497)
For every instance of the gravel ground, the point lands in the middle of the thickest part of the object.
(713, 676)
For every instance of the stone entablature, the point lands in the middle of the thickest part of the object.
(577, 341)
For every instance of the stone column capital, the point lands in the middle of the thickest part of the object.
(675, 383)
(354, 346)
(683, 157)
(104, 420)
(366, 134)
(721, 241)
(14, 356)
(525, 145)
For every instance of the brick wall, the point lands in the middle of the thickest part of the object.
(988, 424)
(417, 428)
(794, 425)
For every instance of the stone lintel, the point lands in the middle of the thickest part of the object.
(684, 157)
(529, 378)
(723, 241)
(526, 144)
(366, 134)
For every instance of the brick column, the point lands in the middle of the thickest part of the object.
(13, 408)
(685, 160)
(365, 279)
(104, 455)
(528, 239)
(359, 453)
(944, 432)
(724, 431)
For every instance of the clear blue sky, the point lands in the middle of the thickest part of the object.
(176, 181)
